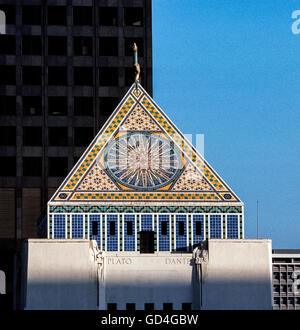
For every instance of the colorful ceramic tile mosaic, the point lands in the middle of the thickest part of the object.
(97, 179)
(139, 155)
(191, 180)
(139, 120)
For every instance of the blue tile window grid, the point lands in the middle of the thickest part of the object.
(112, 241)
(164, 240)
(181, 240)
(232, 226)
(59, 226)
(129, 240)
(198, 238)
(77, 226)
(146, 222)
(95, 218)
(215, 226)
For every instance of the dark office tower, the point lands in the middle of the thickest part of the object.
(64, 65)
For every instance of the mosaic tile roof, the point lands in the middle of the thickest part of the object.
(139, 155)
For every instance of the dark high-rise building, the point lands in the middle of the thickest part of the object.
(64, 65)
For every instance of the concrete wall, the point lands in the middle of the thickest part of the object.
(148, 278)
(238, 275)
(60, 275)
(234, 274)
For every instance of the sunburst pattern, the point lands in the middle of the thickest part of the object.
(142, 161)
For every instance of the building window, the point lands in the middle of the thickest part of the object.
(32, 75)
(82, 15)
(164, 237)
(108, 16)
(7, 44)
(8, 166)
(108, 105)
(32, 105)
(83, 76)
(57, 75)
(32, 136)
(32, 166)
(58, 136)
(108, 76)
(112, 228)
(133, 16)
(112, 232)
(181, 228)
(129, 44)
(57, 15)
(57, 46)
(59, 226)
(232, 226)
(129, 237)
(31, 45)
(10, 13)
(95, 228)
(77, 226)
(58, 105)
(7, 105)
(108, 46)
(164, 228)
(83, 106)
(129, 225)
(83, 136)
(111, 306)
(149, 307)
(7, 136)
(31, 15)
(181, 242)
(7, 75)
(167, 307)
(130, 307)
(215, 226)
(198, 228)
(83, 46)
(58, 166)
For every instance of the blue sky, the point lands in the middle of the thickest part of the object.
(231, 70)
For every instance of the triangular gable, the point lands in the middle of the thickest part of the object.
(188, 177)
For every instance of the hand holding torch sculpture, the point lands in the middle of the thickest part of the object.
(136, 64)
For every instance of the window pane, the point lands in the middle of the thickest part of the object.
(108, 16)
(57, 105)
(7, 136)
(57, 15)
(32, 136)
(32, 105)
(31, 15)
(58, 166)
(57, 46)
(32, 45)
(7, 105)
(133, 16)
(7, 44)
(32, 166)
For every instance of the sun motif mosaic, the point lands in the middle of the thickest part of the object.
(142, 161)
(149, 162)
